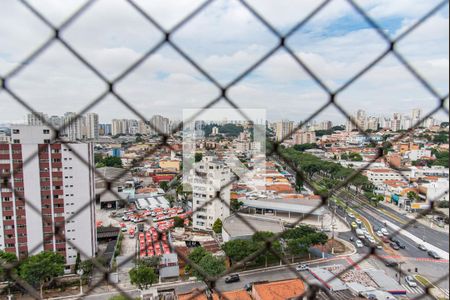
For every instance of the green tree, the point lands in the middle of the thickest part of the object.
(211, 265)
(198, 156)
(7, 266)
(217, 226)
(164, 185)
(412, 195)
(355, 157)
(77, 262)
(40, 269)
(441, 138)
(237, 250)
(109, 161)
(303, 147)
(178, 222)
(441, 158)
(142, 276)
(195, 256)
(151, 261)
(236, 204)
(87, 266)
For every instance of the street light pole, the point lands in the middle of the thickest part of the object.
(80, 272)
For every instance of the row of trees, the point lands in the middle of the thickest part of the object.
(37, 270)
(311, 165)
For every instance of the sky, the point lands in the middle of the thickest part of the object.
(225, 39)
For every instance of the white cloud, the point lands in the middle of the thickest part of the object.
(225, 39)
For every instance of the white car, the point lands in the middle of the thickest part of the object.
(359, 244)
(384, 231)
(302, 267)
(410, 281)
(372, 240)
(358, 221)
(350, 215)
(379, 233)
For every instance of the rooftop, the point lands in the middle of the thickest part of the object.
(279, 290)
(235, 226)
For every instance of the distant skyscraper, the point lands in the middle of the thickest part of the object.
(283, 129)
(92, 128)
(72, 127)
(104, 129)
(160, 123)
(35, 118)
(396, 122)
(55, 121)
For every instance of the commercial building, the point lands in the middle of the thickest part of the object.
(209, 179)
(46, 187)
(378, 176)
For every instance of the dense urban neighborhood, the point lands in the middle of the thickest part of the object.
(360, 209)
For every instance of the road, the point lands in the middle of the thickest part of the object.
(434, 237)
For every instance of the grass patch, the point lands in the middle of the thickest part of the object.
(423, 281)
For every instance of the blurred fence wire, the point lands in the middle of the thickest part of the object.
(313, 291)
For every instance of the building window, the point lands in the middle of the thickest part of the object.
(16, 131)
(46, 141)
(16, 141)
(46, 131)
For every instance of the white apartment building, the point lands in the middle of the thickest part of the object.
(72, 127)
(378, 176)
(207, 179)
(36, 118)
(283, 128)
(304, 137)
(421, 172)
(92, 127)
(44, 187)
(417, 154)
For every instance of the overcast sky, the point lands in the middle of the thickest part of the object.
(224, 39)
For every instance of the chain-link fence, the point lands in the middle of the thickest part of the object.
(312, 291)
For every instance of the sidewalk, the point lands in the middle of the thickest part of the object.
(424, 220)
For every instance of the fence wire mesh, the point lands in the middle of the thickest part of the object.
(312, 291)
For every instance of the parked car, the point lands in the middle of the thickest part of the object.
(394, 246)
(359, 244)
(400, 244)
(354, 225)
(422, 247)
(358, 221)
(410, 281)
(393, 239)
(391, 264)
(385, 239)
(433, 254)
(379, 233)
(384, 231)
(350, 215)
(232, 278)
(302, 267)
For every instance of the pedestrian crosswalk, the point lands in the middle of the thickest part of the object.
(413, 290)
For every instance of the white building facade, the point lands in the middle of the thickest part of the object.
(48, 197)
(210, 179)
